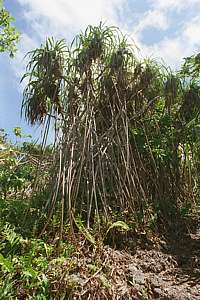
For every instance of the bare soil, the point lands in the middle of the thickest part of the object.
(163, 268)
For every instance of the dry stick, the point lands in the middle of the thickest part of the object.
(91, 195)
(94, 174)
(154, 162)
(83, 157)
(116, 174)
(133, 170)
(42, 152)
(143, 111)
(136, 173)
(54, 195)
(138, 159)
(69, 185)
(69, 129)
(103, 198)
(99, 166)
(98, 271)
(126, 161)
(62, 203)
(82, 160)
(130, 179)
(125, 176)
(133, 174)
(139, 181)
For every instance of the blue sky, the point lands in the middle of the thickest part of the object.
(167, 29)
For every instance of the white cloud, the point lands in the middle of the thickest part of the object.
(62, 15)
(173, 50)
(64, 18)
(19, 63)
(192, 31)
(170, 50)
(182, 40)
(173, 4)
(152, 19)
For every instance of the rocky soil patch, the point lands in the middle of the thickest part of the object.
(170, 270)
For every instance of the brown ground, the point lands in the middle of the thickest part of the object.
(159, 269)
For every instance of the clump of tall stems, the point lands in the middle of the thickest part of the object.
(121, 128)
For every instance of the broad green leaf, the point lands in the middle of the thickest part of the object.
(119, 224)
(6, 263)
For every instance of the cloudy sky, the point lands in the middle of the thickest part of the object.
(162, 29)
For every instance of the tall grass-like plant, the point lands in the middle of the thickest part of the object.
(121, 127)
